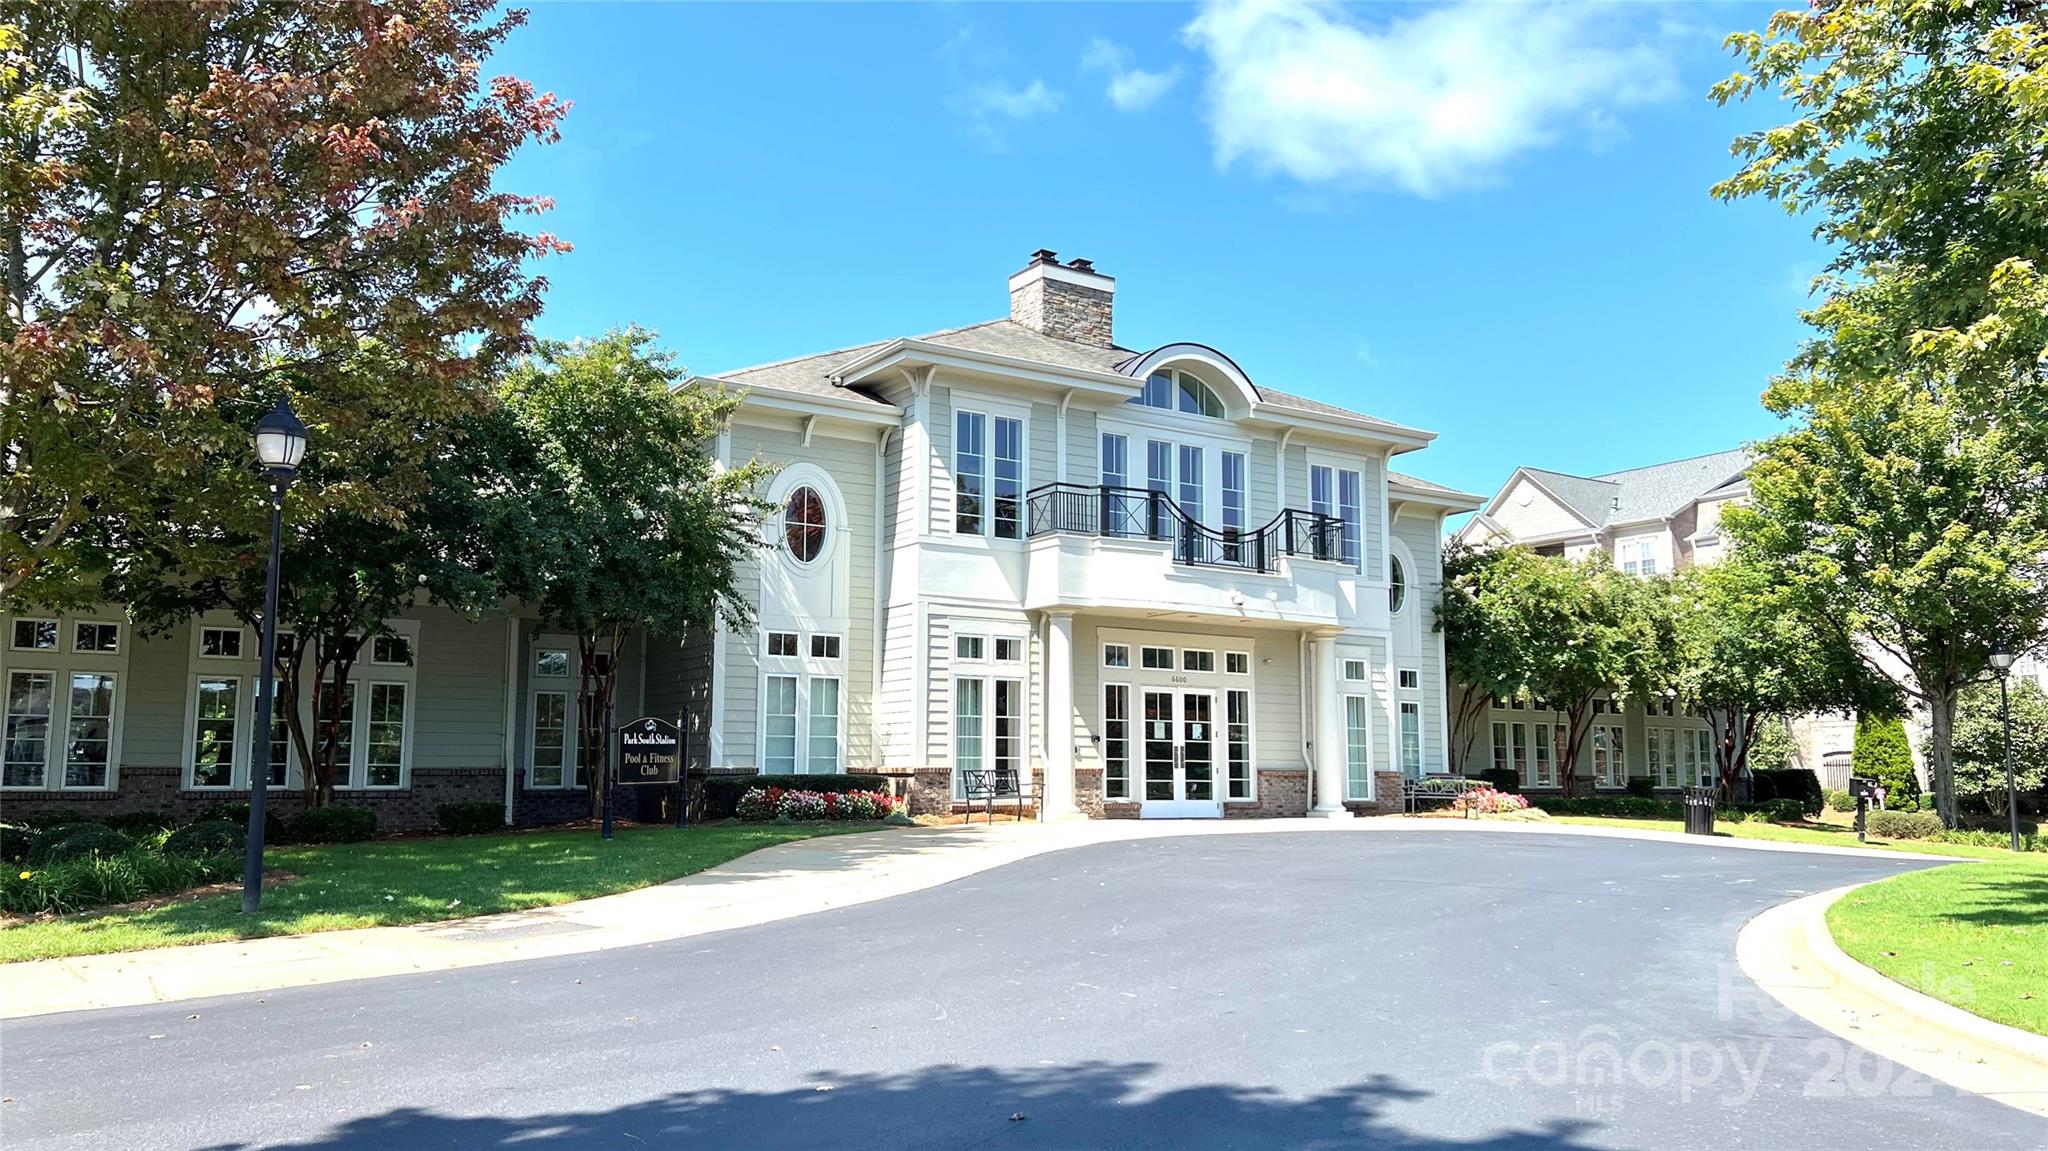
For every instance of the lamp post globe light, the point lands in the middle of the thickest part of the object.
(2001, 662)
(280, 445)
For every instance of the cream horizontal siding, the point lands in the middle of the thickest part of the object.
(153, 693)
(1528, 512)
(939, 692)
(459, 700)
(1042, 464)
(896, 707)
(1277, 741)
(1264, 496)
(1084, 447)
(940, 464)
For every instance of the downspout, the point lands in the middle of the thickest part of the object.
(511, 711)
(1280, 467)
(1060, 431)
(881, 597)
(1307, 721)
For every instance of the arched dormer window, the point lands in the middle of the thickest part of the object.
(1175, 391)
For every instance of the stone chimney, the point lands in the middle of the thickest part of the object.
(1070, 301)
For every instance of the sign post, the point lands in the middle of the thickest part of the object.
(683, 771)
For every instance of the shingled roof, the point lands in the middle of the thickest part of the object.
(813, 374)
(1646, 493)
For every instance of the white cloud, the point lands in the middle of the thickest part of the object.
(989, 105)
(1422, 103)
(1130, 88)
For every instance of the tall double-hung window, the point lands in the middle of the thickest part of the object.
(61, 686)
(1339, 493)
(802, 706)
(988, 475)
(1233, 503)
(988, 713)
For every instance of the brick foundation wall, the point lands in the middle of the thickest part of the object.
(158, 789)
(1088, 791)
(1386, 787)
(931, 791)
(1283, 793)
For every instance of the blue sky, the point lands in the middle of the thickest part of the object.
(1488, 221)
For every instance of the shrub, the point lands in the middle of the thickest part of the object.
(722, 792)
(1882, 754)
(790, 805)
(1773, 747)
(93, 880)
(76, 841)
(1904, 824)
(1615, 807)
(1502, 779)
(45, 820)
(1771, 811)
(1795, 784)
(472, 817)
(207, 839)
(333, 825)
(2028, 840)
(1489, 801)
(141, 822)
(1840, 800)
(274, 829)
(1642, 787)
(15, 840)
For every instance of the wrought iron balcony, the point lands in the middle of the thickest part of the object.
(1140, 513)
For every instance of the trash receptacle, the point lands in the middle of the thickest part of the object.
(1699, 811)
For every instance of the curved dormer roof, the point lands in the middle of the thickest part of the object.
(1216, 369)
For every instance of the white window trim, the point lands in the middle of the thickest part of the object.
(554, 685)
(1371, 767)
(1179, 429)
(120, 636)
(1213, 668)
(1247, 663)
(1251, 740)
(199, 631)
(60, 663)
(359, 769)
(805, 668)
(804, 474)
(989, 673)
(988, 407)
(1125, 665)
(57, 632)
(1421, 737)
(1131, 725)
(1172, 657)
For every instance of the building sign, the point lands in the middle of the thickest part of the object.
(650, 751)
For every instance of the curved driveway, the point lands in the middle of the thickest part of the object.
(1412, 990)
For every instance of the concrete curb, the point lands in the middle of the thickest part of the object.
(1789, 952)
(774, 883)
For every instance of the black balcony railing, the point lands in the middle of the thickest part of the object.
(1139, 513)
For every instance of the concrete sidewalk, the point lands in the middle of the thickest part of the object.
(774, 883)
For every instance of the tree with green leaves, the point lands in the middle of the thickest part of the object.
(1486, 633)
(1751, 654)
(1910, 502)
(611, 515)
(1883, 754)
(206, 206)
(1980, 746)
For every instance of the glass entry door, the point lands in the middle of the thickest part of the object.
(1179, 748)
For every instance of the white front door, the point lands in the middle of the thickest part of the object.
(1179, 755)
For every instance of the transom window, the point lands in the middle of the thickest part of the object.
(551, 661)
(1009, 649)
(1116, 655)
(1410, 680)
(782, 643)
(1156, 658)
(1194, 659)
(35, 635)
(1354, 670)
(1237, 662)
(969, 647)
(803, 524)
(824, 647)
(1178, 391)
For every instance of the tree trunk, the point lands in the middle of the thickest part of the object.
(1471, 705)
(598, 689)
(1578, 721)
(1941, 771)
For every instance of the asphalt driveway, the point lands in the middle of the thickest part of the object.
(1406, 990)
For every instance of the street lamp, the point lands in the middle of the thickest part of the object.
(2001, 662)
(280, 445)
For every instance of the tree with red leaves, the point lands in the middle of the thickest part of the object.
(209, 204)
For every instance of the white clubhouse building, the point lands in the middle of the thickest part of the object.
(1112, 581)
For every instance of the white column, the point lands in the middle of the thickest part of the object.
(1059, 717)
(1329, 731)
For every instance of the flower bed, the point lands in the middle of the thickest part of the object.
(1489, 801)
(761, 804)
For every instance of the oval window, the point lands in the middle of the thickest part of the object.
(1397, 584)
(803, 524)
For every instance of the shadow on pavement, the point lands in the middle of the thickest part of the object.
(1086, 1105)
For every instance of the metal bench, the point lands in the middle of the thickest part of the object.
(986, 785)
(1434, 788)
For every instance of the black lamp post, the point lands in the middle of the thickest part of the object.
(280, 444)
(2001, 662)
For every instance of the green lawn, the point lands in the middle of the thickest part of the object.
(1974, 935)
(410, 881)
(1831, 835)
